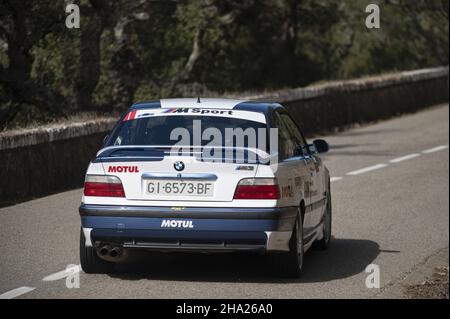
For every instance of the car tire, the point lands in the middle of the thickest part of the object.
(91, 263)
(324, 243)
(290, 264)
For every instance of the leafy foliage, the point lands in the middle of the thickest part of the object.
(127, 50)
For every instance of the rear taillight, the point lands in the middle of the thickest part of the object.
(103, 185)
(257, 188)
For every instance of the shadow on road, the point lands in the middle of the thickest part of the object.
(345, 258)
(358, 152)
(362, 132)
(343, 146)
(367, 149)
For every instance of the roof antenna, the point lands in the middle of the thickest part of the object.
(198, 99)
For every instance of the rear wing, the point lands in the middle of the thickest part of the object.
(229, 154)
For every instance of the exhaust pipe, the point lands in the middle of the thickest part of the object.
(105, 250)
(111, 252)
(115, 252)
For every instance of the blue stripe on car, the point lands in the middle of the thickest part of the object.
(143, 223)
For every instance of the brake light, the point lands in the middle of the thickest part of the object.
(257, 188)
(103, 185)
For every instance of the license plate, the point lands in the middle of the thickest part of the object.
(179, 188)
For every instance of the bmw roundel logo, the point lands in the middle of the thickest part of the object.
(179, 166)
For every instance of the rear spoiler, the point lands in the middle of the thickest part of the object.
(158, 151)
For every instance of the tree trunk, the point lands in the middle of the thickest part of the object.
(90, 55)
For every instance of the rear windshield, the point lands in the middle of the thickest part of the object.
(173, 129)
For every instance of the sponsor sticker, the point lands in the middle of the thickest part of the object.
(247, 115)
(123, 169)
(173, 223)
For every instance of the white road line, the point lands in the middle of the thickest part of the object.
(335, 179)
(435, 149)
(404, 158)
(367, 169)
(16, 292)
(61, 274)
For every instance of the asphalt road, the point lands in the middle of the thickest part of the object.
(389, 210)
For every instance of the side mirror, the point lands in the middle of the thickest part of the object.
(105, 138)
(321, 146)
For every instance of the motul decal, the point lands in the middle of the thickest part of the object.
(123, 169)
(171, 223)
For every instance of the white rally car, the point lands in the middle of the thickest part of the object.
(205, 175)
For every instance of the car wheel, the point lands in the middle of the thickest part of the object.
(290, 264)
(324, 243)
(91, 263)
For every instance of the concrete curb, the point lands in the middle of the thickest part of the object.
(355, 85)
(47, 134)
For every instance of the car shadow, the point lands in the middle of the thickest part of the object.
(345, 258)
(362, 132)
(358, 153)
(355, 149)
(344, 146)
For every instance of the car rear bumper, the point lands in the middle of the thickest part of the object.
(190, 228)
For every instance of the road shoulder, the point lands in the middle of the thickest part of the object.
(428, 280)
